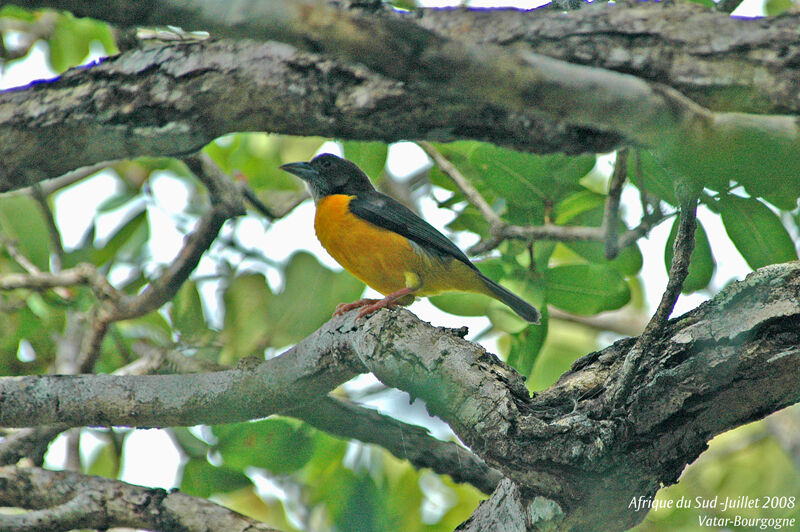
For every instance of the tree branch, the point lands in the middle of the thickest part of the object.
(420, 85)
(350, 420)
(678, 270)
(407, 442)
(611, 211)
(311, 368)
(501, 231)
(463, 184)
(67, 500)
(226, 202)
(561, 444)
(29, 443)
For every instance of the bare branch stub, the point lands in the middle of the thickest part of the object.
(678, 270)
(611, 212)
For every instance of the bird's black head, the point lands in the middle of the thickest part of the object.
(328, 174)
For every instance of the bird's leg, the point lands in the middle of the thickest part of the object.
(341, 308)
(371, 305)
(387, 302)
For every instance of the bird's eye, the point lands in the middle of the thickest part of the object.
(326, 163)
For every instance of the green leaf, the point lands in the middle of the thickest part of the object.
(776, 7)
(519, 178)
(369, 156)
(701, 265)
(656, 181)
(117, 200)
(628, 261)
(71, 39)
(256, 318)
(186, 312)
(189, 443)
(756, 231)
(104, 461)
(277, 445)
(576, 204)
(247, 310)
(462, 303)
(526, 345)
(8, 11)
(152, 327)
(21, 219)
(586, 288)
(202, 479)
(258, 156)
(131, 238)
(327, 459)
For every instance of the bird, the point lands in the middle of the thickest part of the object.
(386, 245)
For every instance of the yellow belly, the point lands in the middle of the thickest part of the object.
(383, 259)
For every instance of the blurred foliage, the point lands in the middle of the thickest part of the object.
(245, 304)
(744, 462)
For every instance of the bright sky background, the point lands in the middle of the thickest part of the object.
(75, 209)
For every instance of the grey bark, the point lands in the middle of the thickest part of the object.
(569, 452)
(175, 99)
(68, 500)
(720, 62)
(421, 83)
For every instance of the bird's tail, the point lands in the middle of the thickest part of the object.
(525, 310)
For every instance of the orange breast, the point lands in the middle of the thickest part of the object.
(384, 260)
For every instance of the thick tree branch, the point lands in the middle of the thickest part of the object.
(428, 78)
(408, 442)
(350, 420)
(155, 102)
(561, 444)
(66, 500)
(722, 63)
(649, 40)
(311, 368)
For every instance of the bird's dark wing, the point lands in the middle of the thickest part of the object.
(383, 211)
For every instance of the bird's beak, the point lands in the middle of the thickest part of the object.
(304, 171)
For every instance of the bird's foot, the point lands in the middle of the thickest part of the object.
(377, 305)
(341, 308)
(368, 306)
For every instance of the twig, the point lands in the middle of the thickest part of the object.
(226, 202)
(57, 183)
(678, 270)
(727, 6)
(80, 274)
(500, 231)
(464, 185)
(624, 322)
(55, 234)
(639, 173)
(271, 213)
(17, 256)
(611, 212)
